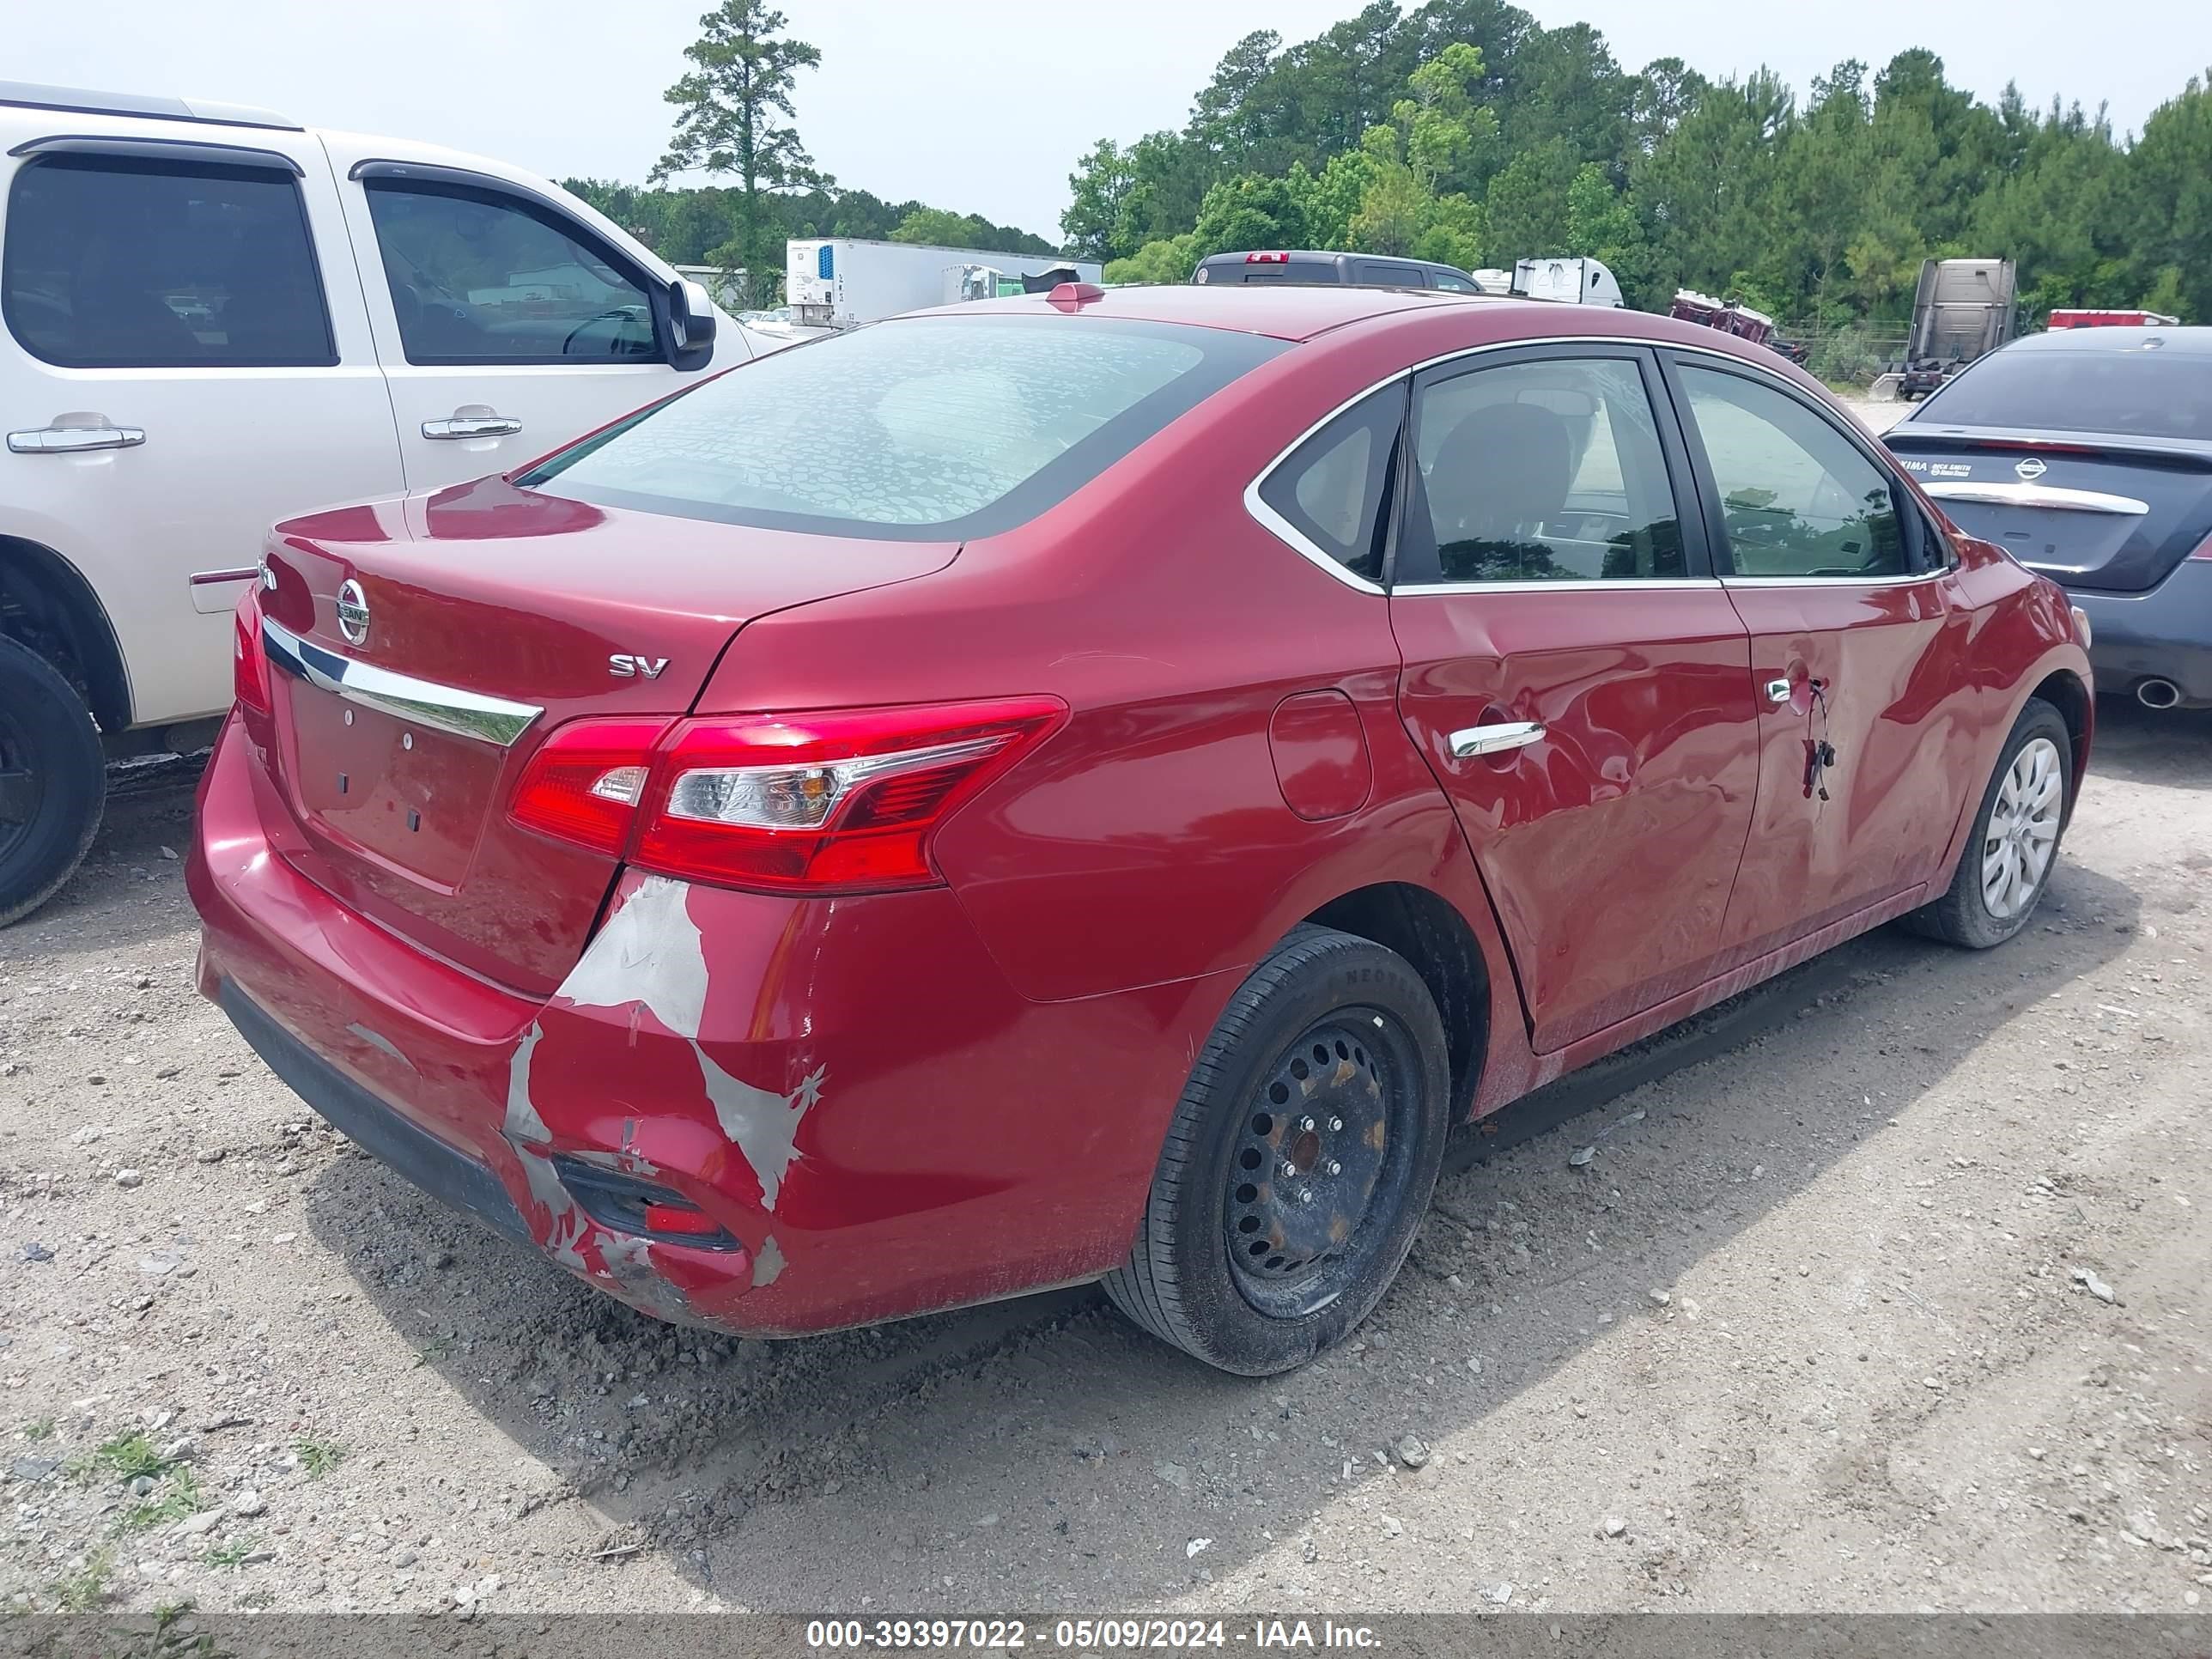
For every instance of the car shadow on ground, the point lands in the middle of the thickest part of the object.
(1040, 1453)
(2170, 747)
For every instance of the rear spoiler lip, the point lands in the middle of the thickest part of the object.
(2190, 454)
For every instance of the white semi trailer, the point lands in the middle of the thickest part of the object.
(843, 282)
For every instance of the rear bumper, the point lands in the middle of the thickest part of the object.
(2164, 633)
(880, 1124)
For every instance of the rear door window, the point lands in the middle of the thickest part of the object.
(1546, 471)
(480, 278)
(921, 428)
(153, 265)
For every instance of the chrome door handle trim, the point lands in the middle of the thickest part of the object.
(441, 708)
(1777, 690)
(1495, 739)
(74, 439)
(473, 426)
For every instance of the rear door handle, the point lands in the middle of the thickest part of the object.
(1495, 739)
(74, 439)
(472, 421)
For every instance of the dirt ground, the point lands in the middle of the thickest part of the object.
(1891, 1293)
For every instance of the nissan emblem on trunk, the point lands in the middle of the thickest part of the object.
(353, 613)
(2030, 469)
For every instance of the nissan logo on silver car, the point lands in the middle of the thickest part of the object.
(353, 614)
(2030, 469)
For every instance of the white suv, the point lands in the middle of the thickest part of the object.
(215, 319)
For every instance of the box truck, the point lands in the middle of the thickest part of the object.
(843, 282)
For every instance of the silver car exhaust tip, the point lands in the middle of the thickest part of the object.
(2158, 693)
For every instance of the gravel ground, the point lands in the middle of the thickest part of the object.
(1891, 1292)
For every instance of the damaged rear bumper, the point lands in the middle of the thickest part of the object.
(846, 1095)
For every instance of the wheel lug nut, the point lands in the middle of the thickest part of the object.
(1336, 1123)
(1334, 1168)
(1306, 1123)
(1306, 1197)
(1290, 1170)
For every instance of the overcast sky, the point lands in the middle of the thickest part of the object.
(981, 107)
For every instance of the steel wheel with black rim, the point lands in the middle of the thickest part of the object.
(1302, 1156)
(2008, 860)
(53, 780)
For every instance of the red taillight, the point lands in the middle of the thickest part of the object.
(1267, 259)
(584, 783)
(2204, 549)
(842, 800)
(249, 662)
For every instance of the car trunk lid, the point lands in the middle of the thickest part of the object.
(2111, 513)
(421, 649)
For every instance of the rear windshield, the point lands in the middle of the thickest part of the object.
(920, 429)
(2133, 390)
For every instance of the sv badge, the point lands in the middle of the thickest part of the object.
(624, 666)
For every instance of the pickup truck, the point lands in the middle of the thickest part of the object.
(216, 318)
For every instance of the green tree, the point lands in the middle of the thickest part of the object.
(2063, 218)
(1395, 209)
(1823, 173)
(1097, 223)
(1525, 204)
(1331, 198)
(942, 227)
(734, 116)
(1601, 225)
(1223, 122)
(1667, 90)
(2172, 205)
(1249, 211)
(1449, 140)
(1170, 259)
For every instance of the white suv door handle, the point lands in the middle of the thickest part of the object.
(472, 421)
(85, 431)
(1495, 739)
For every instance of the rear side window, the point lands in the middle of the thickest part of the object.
(151, 265)
(920, 428)
(1380, 274)
(2148, 390)
(1797, 498)
(476, 277)
(1330, 495)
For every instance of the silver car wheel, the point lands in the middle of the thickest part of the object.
(2023, 829)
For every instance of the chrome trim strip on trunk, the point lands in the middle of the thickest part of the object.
(440, 708)
(2034, 495)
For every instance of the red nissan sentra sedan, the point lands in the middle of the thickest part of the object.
(1095, 787)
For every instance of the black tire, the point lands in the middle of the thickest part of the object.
(1963, 916)
(1320, 991)
(54, 780)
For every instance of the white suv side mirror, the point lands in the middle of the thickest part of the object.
(691, 321)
